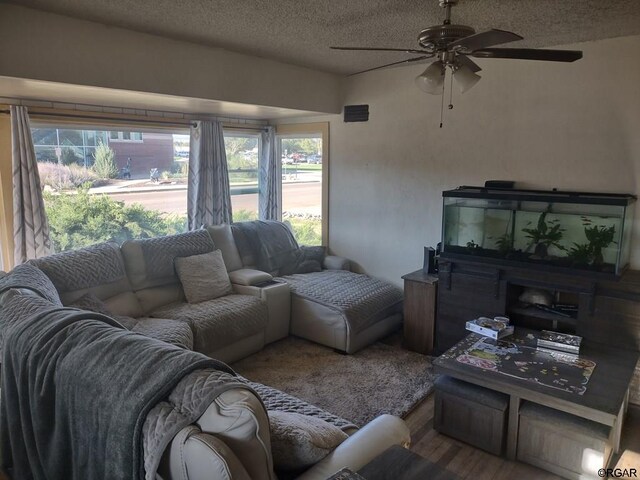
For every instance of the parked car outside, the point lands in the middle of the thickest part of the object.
(314, 159)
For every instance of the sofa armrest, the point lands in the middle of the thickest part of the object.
(362, 447)
(334, 262)
(193, 455)
(249, 276)
(278, 298)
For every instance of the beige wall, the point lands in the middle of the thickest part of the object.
(44, 46)
(571, 126)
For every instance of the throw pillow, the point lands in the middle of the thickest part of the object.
(299, 441)
(203, 277)
(92, 303)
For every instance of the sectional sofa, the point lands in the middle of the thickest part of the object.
(137, 285)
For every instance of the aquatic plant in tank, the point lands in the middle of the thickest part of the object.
(546, 229)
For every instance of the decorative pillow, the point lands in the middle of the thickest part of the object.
(299, 441)
(92, 303)
(203, 277)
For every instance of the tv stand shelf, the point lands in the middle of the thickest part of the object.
(608, 310)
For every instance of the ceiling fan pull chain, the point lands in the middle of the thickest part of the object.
(451, 92)
(442, 103)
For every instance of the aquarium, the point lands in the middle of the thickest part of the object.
(584, 231)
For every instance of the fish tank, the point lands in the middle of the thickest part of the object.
(567, 230)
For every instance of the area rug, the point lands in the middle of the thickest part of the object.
(382, 378)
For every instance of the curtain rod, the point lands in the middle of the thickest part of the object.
(137, 120)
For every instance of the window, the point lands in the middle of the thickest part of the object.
(302, 185)
(243, 154)
(125, 136)
(102, 185)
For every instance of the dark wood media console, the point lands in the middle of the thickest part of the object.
(608, 309)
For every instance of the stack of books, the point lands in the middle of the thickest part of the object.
(562, 342)
(495, 328)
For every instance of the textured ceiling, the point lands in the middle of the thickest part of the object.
(301, 31)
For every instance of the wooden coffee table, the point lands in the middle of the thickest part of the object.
(397, 463)
(604, 401)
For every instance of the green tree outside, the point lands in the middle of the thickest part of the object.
(79, 220)
(105, 163)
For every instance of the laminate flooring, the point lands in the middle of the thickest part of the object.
(467, 462)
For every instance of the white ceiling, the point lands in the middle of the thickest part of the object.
(301, 31)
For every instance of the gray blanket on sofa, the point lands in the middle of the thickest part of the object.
(76, 391)
(272, 243)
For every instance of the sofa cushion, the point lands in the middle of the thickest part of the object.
(149, 262)
(175, 332)
(203, 277)
(220, 322)
(361, 300)
(98, 269)
(223, 239)
(92, 303)
(299, 441)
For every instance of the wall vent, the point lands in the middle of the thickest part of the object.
(356, 113)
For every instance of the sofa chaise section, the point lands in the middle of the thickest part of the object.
(329, 304)
(342, 309)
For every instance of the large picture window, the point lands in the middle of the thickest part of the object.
(102, 185)
(243, 154)
(301, 155)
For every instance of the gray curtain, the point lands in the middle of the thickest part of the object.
(270, 197)
(208, 194)
(30, 227)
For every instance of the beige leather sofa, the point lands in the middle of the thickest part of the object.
(138, 280)
(231, 441)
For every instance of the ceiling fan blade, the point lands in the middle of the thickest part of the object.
(374, 49)
(483, 40)
(409, 60)
(464, 60)
(529, 54)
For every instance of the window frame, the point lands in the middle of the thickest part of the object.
(308, 129)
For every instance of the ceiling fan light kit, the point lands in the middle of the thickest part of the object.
(432, 79)
(465, 77)
(451, 46)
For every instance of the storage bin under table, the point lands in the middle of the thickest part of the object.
(564, 444)
(470, 413)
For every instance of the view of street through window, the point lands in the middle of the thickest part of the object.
(114, 185)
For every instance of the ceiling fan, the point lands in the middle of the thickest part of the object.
(449, 46)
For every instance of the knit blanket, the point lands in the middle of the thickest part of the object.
(361, 299)
(271, 243)
(77, 389)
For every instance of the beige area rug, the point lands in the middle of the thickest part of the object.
(381, 378)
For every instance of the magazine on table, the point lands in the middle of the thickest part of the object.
(563, 342)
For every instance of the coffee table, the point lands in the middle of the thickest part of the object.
(398, 463)
(604, 400)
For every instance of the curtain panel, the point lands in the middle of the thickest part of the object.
(270, 198)
(208, 193)
(30, 227)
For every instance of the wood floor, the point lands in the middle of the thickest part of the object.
(467, 462)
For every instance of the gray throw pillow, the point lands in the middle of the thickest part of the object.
(300, 441)
(203, 277)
